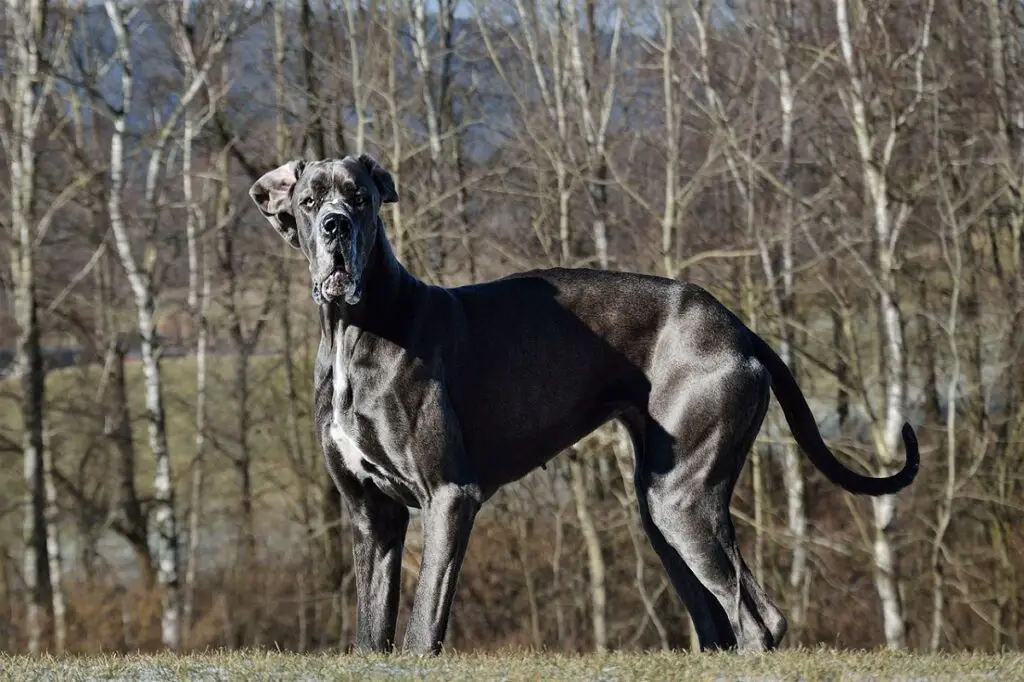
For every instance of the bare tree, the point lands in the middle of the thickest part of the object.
(26, 96)
(60, 620)
(952, 251)
(875, 148)
(595, 124)
(781, 289)
(140, 278)
(199, 285)
(434, 90)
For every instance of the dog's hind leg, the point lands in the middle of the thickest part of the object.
(689, 488)
(709, 620)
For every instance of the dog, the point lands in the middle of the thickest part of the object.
(434, 398)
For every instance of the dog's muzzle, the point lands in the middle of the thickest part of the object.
(341, 237)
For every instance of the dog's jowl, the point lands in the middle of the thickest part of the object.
(434, 398)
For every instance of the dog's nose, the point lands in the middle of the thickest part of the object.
(333, 224)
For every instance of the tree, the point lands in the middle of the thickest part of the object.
(888, 220)
(35, 30)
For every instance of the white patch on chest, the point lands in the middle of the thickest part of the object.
(351, 454)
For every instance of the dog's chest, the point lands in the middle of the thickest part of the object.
(352, 456)
(360, 438)
(363, 457)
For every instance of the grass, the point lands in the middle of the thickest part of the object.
(806, 664)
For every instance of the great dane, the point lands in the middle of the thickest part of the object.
(433, 398)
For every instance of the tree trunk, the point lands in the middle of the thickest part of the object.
(431, 103)
(30, 363)
(670, 104)
(118, 430)
(243, 463)
(595, 558)
(141, 285)
(316, 141)
(594, 127)
(792, 460)
(198, 298)
(60, 623)
(397, 128)
(887, 434)
(352, 8)
(163, 481)
(27, 21)
(199, 459)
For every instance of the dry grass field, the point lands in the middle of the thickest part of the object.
(816, 664)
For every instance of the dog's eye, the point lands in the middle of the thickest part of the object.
(360, 198)
(308, 202)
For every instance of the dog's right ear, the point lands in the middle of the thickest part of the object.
(272, 194)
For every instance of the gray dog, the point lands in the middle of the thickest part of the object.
(434, 398)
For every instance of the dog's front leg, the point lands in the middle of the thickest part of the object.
(379, 525)
(447, 523)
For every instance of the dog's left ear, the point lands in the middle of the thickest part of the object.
(385, 183)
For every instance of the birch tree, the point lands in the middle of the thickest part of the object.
(53, 554)
(435, 90)
(393, 93)
(781, 289)
(875, 142)
(31, 39)
(950, 238)
(140, 279)
(199, 292)
(140, 273)
(594, 122)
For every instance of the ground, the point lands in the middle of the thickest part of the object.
(817, 664)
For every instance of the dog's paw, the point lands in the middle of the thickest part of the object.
(318, 297)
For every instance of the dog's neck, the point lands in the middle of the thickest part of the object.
(386, 283)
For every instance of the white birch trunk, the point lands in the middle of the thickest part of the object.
(198, 297)
(595, 128)
(356, 74)
(952, 251)
(163, 490)
(394, 114)
(749, 303)
(421, 53)
(595, 558)
(565, 234)
(670, 104)
(26, 19)
(887, 228)
(60, 623)
(791, 459)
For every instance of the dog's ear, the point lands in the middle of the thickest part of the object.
(385, 183)
(272, 194)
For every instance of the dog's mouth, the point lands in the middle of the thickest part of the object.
(341, 284)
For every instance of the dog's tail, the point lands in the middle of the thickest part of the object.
(805, 430)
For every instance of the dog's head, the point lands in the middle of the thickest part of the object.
(328, 210)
